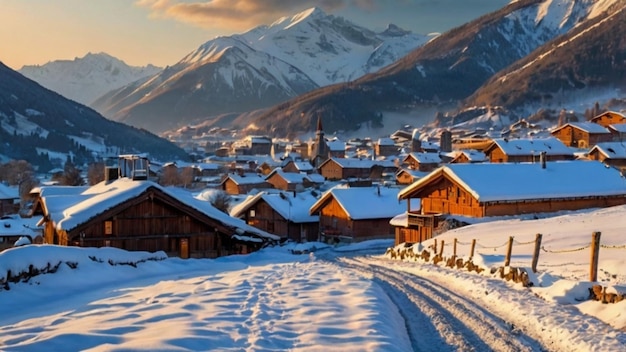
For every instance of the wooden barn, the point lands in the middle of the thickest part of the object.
(582, 134)
(488, 189)
(608, 118)
(285, 214)
(299, 166)
(141, 215)
(354, 214)
(503, 150)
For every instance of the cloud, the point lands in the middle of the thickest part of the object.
(240, 14)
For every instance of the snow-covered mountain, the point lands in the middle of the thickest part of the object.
(87, 78)
(440, 74)
(262, 67)
(44, 128)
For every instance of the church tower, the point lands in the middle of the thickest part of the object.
(320, 151)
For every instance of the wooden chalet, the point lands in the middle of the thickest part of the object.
(285, 214)
(141, 215)
(608, 118)
(242, 183)
(344, 168)
(618, 131)
(468, 156)
(16, 231)
(609, 153)
(499, 189)
(299, 166)
(408, 176)
(503, 150)
(353, 214)
(582, 134)
(386, 147)
(289, 181)
(422, 161)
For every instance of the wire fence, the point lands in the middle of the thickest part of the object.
(594, 246)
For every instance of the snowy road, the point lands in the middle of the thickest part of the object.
(438, 319)
(273, 300)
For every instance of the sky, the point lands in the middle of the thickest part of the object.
(349, 298)
(161, 32)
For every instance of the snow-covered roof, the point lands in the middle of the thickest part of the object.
(353, 163)
(336, 145)
(612, 150)
(246, 178)
(316, 178)
(17, 226)
(490, 182)
(618, 127)
(8, 192)
(472, 155)
(290, 177)
(589, 127)
(303, 165)
(294, 207)
(68, 210)
(426, 158)
(386, 141)
(364, 202)
(551, 145)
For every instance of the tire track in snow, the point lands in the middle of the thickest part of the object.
(437, 319)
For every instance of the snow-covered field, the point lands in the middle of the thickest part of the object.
(344, 298)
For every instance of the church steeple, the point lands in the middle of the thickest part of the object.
(320, 153)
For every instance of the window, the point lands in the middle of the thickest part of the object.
(252, 213)
(108, 227)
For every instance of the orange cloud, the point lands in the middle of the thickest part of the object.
(239, 14)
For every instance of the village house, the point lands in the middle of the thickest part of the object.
(354, 214)
(299, 166)
(609, 153)
(386, 147)
(9, 199)
(336, 148)
(243, 183)
(422, 161)
(345, 168)
(618, 131)
(291, 181)
(499, 189)
(16, 231)
(285, 214)
(608, 118)
(503, 150)
(582, 134)
(408, 176)
(140, 215)
(467, 156)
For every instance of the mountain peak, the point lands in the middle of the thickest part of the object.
(394, 31)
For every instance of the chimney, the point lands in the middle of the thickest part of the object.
(111, 173)
(542, 159)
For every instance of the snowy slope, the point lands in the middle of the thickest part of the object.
(84, 79)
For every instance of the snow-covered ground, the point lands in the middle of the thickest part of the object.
(345, 298)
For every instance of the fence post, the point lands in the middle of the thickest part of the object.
(472, 249)
(595, 253)
(454, 248)
(441, 249)
(536, 252)
(435, 249)
(509, 249)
